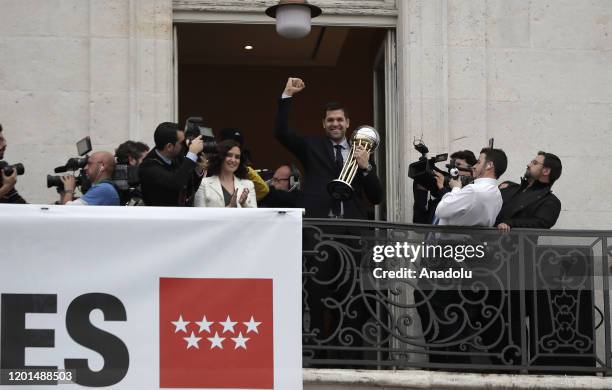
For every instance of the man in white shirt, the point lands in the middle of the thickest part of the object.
(476, 204)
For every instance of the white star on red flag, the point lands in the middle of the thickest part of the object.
(228, 325)
(216, 341)
(204, 325)
(180, 324)
(240, 341)
(252, 325)
(192, 341)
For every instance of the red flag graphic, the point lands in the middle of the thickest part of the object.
(216, 333)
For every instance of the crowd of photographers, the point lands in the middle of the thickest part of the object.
(185, 169)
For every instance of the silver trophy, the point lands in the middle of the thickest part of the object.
(368, 138)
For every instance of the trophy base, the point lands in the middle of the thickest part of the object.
(339, 190)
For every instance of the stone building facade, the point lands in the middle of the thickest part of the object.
(533, 74)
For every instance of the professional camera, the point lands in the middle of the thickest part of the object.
(9, 169)
(453, 173)
(422, 171)
(127, 182)
(195, 127)
(74, 164)
(56, 181)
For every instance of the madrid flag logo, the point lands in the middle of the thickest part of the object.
(216, 333)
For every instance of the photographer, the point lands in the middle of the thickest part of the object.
(166, 171)
(425, 201)
(8, 193)
(99, 170)
(131, 153)
(476, 204)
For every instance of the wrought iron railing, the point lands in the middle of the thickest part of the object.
(535, 301)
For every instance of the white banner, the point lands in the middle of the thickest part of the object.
(147, 297)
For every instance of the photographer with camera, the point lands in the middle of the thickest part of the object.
(129, 156)
(166, 172)
(131, 153)
(8, 193)
(99, 170)
(476, 204)
(426, 199)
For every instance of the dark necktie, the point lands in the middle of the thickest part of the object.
(339, 160)
(336, 207)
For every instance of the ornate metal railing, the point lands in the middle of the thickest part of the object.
(535, 301)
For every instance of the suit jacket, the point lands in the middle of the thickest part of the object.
(317, 157)
(210, 192)
(536, 207)
(163, 184)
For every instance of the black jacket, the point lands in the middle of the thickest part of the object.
(12, 197)
(317, 157)
(280, 199)
(163, 184)
(534, 207)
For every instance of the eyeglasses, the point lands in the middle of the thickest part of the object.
(276, 179)
(536, 162)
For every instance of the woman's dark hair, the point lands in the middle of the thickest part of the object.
(216, 160)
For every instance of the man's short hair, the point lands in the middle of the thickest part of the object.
(128, 149)
(466, 155)
(332, 106)
(0, 127)
(554, 163)
(165, 134)
(498, 158)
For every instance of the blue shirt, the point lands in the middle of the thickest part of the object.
(102, 194)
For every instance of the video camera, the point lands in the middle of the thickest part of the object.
(422, 171)
(74, 164)
(10, 169)
(194, 127)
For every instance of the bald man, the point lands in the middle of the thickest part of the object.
(99, 170)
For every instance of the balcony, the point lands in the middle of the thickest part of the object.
(536, 301)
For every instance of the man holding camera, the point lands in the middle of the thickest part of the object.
(8, 193)
(99, 169)
(323, 158)
(424, 204)
(166, 171)
(532, 204)
(476, 204)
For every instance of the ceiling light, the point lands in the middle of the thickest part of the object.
(248, 47)
(293, 17)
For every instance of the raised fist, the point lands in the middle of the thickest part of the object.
(294, 85)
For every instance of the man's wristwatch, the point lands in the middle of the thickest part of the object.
(367, 170)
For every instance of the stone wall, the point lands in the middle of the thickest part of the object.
(533, 74)
(72, 68)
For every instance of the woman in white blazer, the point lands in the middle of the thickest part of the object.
(227, 186)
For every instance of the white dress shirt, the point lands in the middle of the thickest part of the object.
(476, 204)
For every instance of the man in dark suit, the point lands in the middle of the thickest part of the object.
(322, 158)
(532, 204)
(166, 171)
